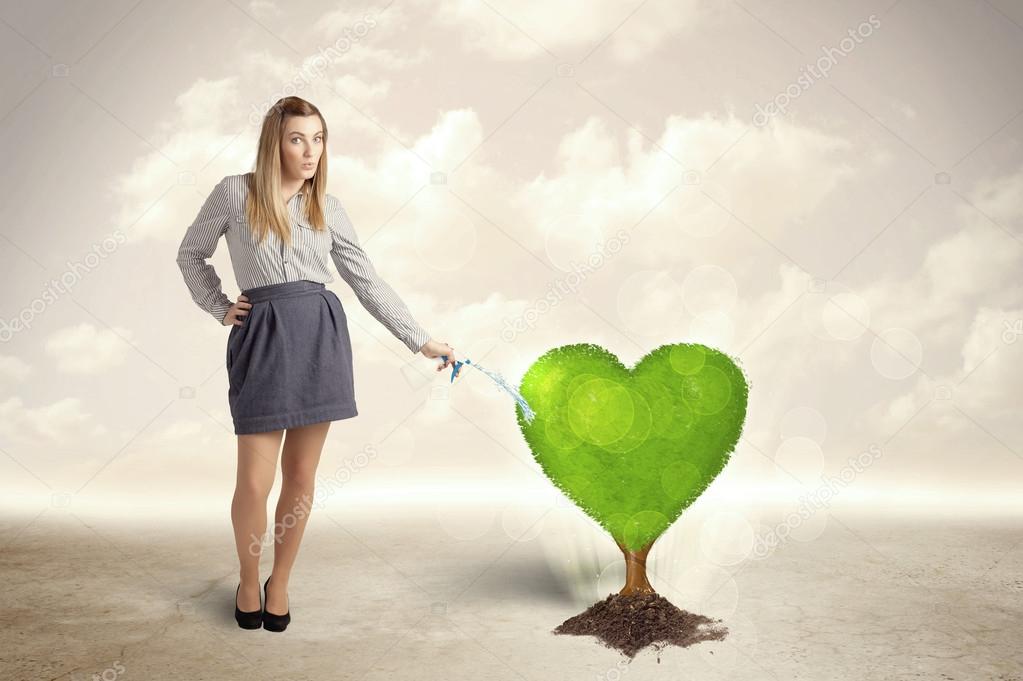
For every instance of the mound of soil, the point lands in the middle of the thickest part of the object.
(631, 623)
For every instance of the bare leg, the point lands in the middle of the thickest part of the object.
(301, 456)
(257, 466)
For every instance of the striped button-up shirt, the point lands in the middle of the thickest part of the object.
(274, 262)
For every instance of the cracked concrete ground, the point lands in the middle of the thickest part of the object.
(410, 594)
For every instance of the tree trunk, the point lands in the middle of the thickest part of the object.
(635, 572)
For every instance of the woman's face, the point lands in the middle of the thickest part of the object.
(301, 146)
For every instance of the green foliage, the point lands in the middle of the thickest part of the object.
(635, 448)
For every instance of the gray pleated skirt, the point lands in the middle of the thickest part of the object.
(290, 361)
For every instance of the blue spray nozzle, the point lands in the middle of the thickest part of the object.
(454, 369)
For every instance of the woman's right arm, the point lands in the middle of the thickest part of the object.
(198, 245)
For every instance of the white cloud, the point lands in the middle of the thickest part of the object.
(964, 302)
(973, 261)
(529, 29)
(14, 368)
(784, 170)
(264, 8)
(86, 349)
(968, 417)
(1001, 199)
(61, 422)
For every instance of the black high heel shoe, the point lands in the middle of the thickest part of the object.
(247, 620)
(271, 621)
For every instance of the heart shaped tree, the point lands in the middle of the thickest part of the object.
(633, 448)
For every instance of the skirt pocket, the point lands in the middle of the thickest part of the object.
(338, 312)
(235, 337)
(230, 340)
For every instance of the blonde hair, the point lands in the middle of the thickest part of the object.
(265, 209)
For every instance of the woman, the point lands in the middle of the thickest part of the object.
(289, 355)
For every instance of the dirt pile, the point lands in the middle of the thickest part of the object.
(631, 623)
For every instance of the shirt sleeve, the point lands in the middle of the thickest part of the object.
(199, 243)
(373, 293)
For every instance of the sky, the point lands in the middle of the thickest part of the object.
(829, 192)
